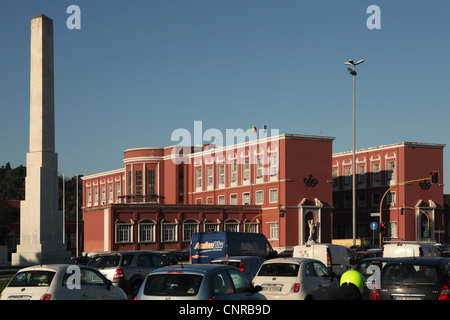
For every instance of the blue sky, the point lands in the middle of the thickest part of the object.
(137, 70)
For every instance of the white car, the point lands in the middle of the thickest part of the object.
(296, 279)
(61, 282)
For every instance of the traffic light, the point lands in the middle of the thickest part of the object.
(434, 176)
(426, 233)
(382, 227)
(282, 212)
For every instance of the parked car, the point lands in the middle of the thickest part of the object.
(128, 269)
(296, 279)
(248, 265)
(84, 260)
(198, 282)
(363, 268)
(425, 278)
(337, 258)
(369, 253)
(50, 282)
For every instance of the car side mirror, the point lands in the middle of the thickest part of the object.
(108, 284)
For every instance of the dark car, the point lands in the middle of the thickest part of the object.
(367, 269)
(423, 278)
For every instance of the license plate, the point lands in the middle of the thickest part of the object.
(407, 298)
(272, 287)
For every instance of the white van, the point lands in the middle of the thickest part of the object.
(338, 259)
(410, 249)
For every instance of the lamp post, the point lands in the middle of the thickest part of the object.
(353, 73)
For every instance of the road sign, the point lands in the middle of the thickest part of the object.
(374, 226)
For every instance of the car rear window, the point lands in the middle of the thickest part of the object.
(32, 279)
(172, 284)
(105, 261)
(279, 269)
(233, 263)
(395, 275)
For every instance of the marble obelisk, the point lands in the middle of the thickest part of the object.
(40, 220)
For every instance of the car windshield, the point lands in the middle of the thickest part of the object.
(402, 274)
(105, 261)
(172, 284)
(279, 269)
(32, 279)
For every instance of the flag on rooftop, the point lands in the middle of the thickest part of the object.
(253, 128)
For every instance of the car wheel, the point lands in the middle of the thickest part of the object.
(135, 286)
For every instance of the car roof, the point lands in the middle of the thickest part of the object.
(419, 260)
(195, 268)
(45, 267)
(238, 258)
(289, 260)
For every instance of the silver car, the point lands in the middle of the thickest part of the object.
(198, 282)
(61, 282)
(128, 269)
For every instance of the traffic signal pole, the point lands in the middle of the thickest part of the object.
(384, 195)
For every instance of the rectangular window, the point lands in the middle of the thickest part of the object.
(273, 166)
(89, 199)
(118, 191)
(246, 198)
(221, 200)
(376, 174)
(376, 199)
(210, 174)
(168, 232)
(103, 194)
(273, 195)
(361, 200)
(198, 175)
(334, 175)
(124, 233)
(233, 199)
(232, 227)
(96, 196)
(111, 193)
(259, 197)
(209, 200)
(233, 172)
(151, 181)
(273, 230)
(361, 175)
(246, 171)
(209, 227)
(146, 232)
(391, 172)
(348, 176)
(188, 230)
(259, 168)
(138, 188)
(221, 175)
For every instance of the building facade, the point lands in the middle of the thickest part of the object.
(163, 195)
(408, 209)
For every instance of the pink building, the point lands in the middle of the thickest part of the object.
(378, 169)
(163, 195)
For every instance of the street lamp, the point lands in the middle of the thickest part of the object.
(353, 73)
